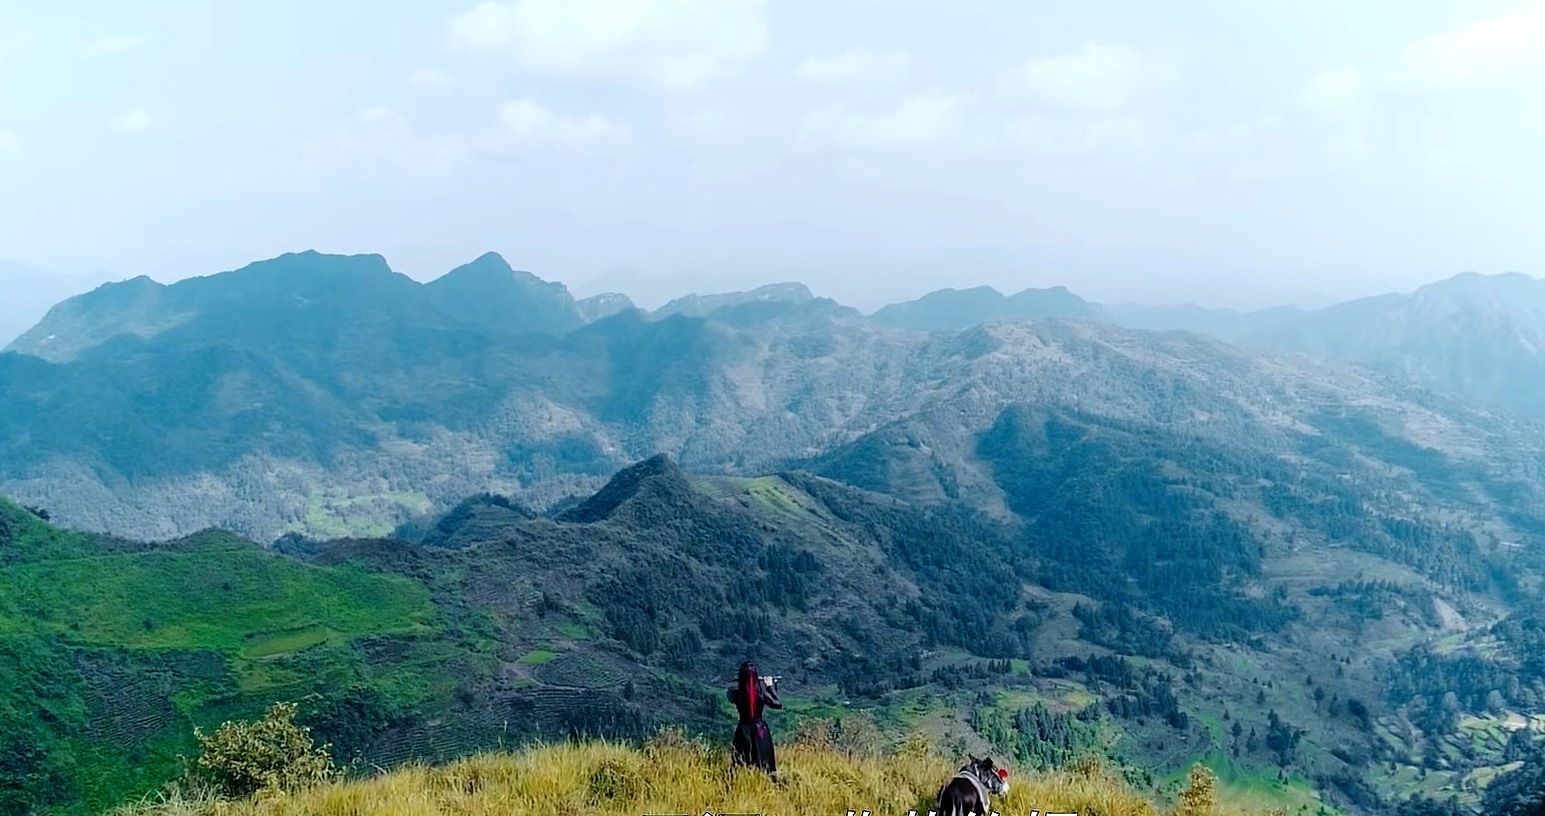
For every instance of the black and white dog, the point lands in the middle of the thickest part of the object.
(967, 791)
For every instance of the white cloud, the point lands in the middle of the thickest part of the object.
(132, 122)
(707, 122)
(1064, 136)
(116, 44)
(1501, 52)
(1260, 149)
(525, 122)
(857, 68)
(382, 116)
(9, 144)
(1060, 106)
(430, 78)
(1509, 46)
(1099, 78)
(946, 123)
(921, 121)
(1336, 94)
(381, 142)
(680, 45)
(1351, 143)
(1341, 97)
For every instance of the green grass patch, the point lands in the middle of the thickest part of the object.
(573, 630)
(1408, 780)
(281, 642)
(537, 657)
(1483, 776)
(209, 598)
(1078, 698)
(335, 514)
(1258, 789)
(1010, 701)
(773, 493)
(1448, 644)
(799, 706)
(1213, 724)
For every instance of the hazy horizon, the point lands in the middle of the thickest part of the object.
(43, 289)
(1302, 153)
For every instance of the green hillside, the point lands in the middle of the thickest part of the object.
(111, 652)
(1312, 671)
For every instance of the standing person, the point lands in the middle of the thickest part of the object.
(752, 694)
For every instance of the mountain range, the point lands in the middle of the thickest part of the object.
(1311, 556)
(329, 395)
(1478, 337)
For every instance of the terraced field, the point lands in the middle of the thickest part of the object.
(581, 670)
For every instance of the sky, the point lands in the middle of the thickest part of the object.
(1226, 153)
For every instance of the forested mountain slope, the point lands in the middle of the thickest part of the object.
(1177, 619)
(340, 400)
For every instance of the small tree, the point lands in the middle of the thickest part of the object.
(1200, 798)
(271, 754)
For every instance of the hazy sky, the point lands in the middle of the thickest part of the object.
(1236, 153)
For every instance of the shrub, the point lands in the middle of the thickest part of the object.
(1200, 798)
(1088, 766)
(813, 732)
(858, 735)
(271, 754)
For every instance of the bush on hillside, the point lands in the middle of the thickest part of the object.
(854, 735)
(1200, 798)
(272, 754)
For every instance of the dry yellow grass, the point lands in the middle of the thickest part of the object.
(673, 776)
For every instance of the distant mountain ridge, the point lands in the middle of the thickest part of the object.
(491, 294)
(1474, 335)
(27, 293)
(1482, 336)
(486, 295)
(330, 395)
(703, 305)
(960, 309)
(1225, 324)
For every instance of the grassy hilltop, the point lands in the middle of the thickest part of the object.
(671, 775)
